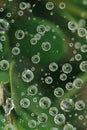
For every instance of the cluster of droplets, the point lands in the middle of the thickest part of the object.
(81, 30)
(66, 104)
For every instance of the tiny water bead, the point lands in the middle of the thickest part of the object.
(19, 34)
(83, 66)
(4, 65)
(67, 68)
(23, 5)
(37, 36)
(67, 105)
(63, 77)
(4, 26)
(32, 90)
(78, 57)
(59, 119)
(27, 76)
(84, 48)
(15, 51)
(58, 92)
(80, 105)
(9, 127)
(48, 80)
(53, 111)
(41, 29)
(45, 102)
(42, 118)
(72, 25)
(35, 59)
(78, 83)
(68, 127)
(77, 45)
(49, 5)
(32, 124)
(62, 5)
(46, 46)
(81, 32)
(24, 102)
(53, 67)
(69, 86)
(33, 41)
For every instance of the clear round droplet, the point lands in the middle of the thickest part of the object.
(53, 111)
(58, 92)
(32, 90)
(27, 76)
(46, 46)
(59, 119)
(41, 29)
(19, 34)
(48, 80)
(63, 77)
(84, 48)
(78, 83)
(4, 65)
(53, 67)
(49, 5)
(83, 66)
(45, 102)
(67, 105)
(81, 32)
(80, 105)
(42, 118)
(72, 25)
(67, 68)
(35, 59)
(24, 103)
(32, 124)
(69, 86)
(15, 51)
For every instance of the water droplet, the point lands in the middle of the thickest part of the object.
(32, 90)
(15, 51)
(58, 92)
(49, 5)
(78, 83)
(83, 66)
(35, 59)
(24, 103)
(45, 102)
(27, 75)
(32, 124)
(42, 118)
(48, 80)
(53, 111)
(19, 34)
(72, 25)
(80, 105)
(46, 46)
(53, 67)
(59, 119)
(67, 68)
(67, 105)
(4, 65)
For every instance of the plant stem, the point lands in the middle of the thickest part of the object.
(8, 117)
